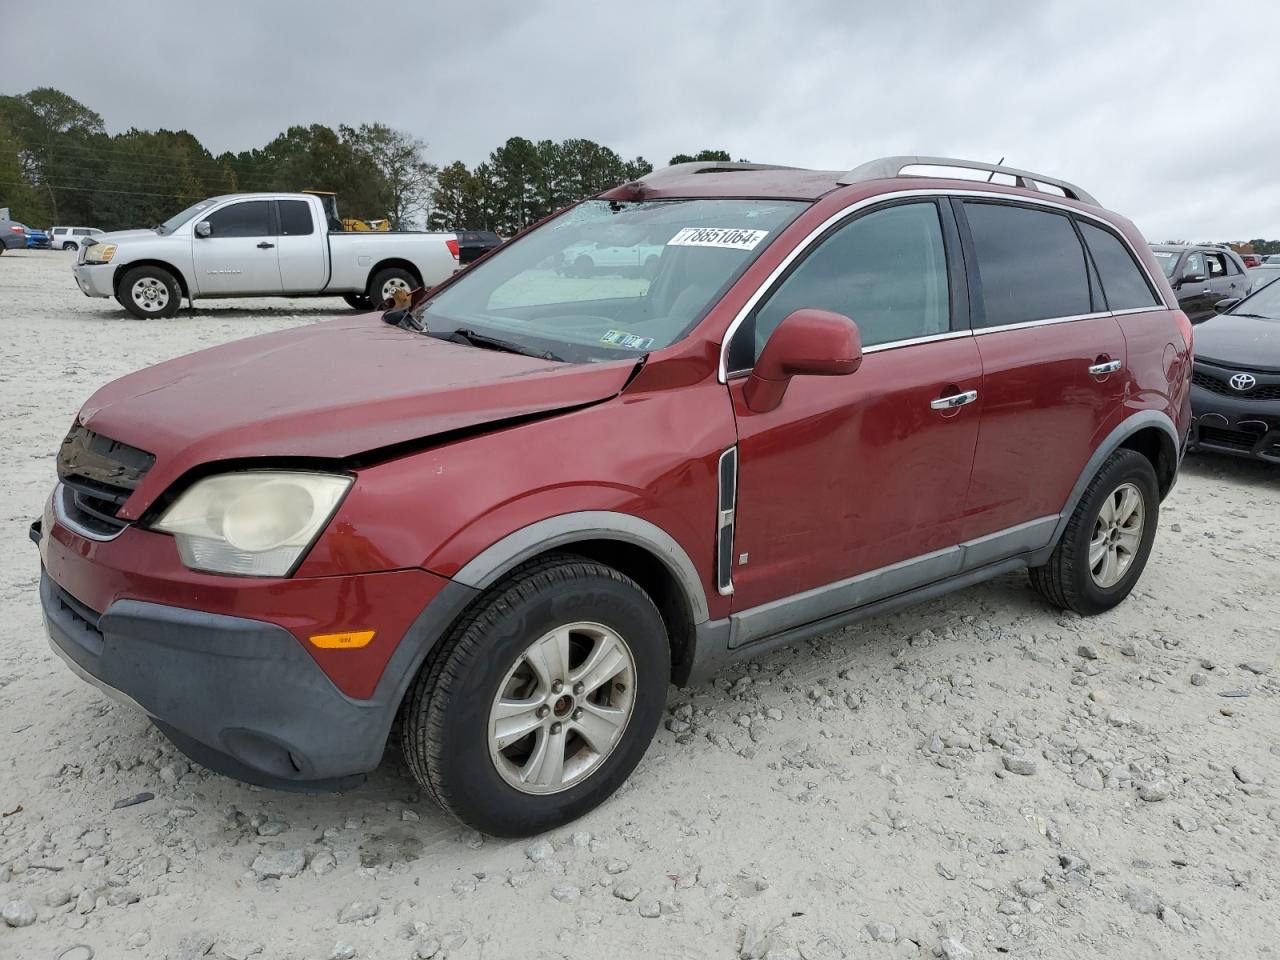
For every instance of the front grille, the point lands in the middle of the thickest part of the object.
(98, 475)
(1266, 391)
(1233, 439)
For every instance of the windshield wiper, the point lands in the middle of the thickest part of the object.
(495, 343)
(1255, 316)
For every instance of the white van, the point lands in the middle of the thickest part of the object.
(70, 238)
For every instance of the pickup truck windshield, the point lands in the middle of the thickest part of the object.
(178, 219)
(609, 279)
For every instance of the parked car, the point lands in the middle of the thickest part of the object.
(1271, 258)
(258, 245)
(1202, 275)
(512, 516)
(473, 244)
(1251, 260)
(1235, 392)
(70, 238)
(13, 235)
(37, 239)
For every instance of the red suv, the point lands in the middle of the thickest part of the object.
(517, 510)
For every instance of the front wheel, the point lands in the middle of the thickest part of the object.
(543, 699)
(385, 284)
(1107, 540)
(149, 291)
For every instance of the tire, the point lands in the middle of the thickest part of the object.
(584, 266)
(148, 292)
(69, 246)
(1070, 580)
(358, 301)
(384, 281)
(452, 705)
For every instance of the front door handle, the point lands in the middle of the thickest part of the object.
(265, 246)
(955, 400)
(1101, 369)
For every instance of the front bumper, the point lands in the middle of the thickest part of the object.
(222, 665)
(1235, 425)
(94, 279)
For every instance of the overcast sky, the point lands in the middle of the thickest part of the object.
(1155, 109)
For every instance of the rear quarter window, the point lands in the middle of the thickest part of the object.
(1030, 262)
(1123, 284)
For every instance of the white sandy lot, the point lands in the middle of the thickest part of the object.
(848, 798)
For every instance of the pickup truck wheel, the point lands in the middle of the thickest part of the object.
(584, 266)
(358, 301)
(542, 700)
(149, 291)
(1107, 540)
(385, 283)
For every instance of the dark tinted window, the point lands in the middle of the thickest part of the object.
(1031, 264)
(1122, 280)
(248, 219)
(886, 270)
(295, 218)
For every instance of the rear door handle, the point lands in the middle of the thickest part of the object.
(265, 246)
(955, 400)
(1099, 369)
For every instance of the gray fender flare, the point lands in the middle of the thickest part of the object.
(495, 561)
(1113, 441)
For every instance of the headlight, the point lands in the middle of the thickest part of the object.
(100, 253)
(256, 524)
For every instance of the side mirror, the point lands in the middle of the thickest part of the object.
(1193, 278)
(807, 343)
(204, 229)
(1222, 306)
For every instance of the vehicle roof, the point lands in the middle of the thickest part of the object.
(724, 179)
(267, 195)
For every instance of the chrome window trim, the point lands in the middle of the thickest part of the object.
(931, 338)
(847, 211)
(60, 514)
(1128, 310)
(1047, 321)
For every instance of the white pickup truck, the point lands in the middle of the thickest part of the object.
(258, 245)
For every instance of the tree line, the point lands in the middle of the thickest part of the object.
(59, 165)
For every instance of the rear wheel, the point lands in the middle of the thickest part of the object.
(1107, 540)
(358, 301)
(149, 291)
(69, 245)
(542, 700)
(385, 283)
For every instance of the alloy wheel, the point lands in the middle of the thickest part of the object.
(562, 708)
(1117, 535)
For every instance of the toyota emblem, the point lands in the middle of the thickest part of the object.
(1244, 381)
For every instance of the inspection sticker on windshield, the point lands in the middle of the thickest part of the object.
(628, 341)
(730, 237)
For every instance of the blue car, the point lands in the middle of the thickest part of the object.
(36, 239)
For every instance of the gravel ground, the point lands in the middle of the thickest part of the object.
(980, 775)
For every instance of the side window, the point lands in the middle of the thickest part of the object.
(1195, 266)
(1030, 261)
(295, 218)
(79, 232)
(1122, 280)
(251, 218)
(1217, 265)
(885, 270)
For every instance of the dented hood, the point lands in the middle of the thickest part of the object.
(330, 390)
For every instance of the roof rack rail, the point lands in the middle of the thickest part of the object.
(706, 166)
(889, 167)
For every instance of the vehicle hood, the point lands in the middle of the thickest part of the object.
(115, 236)
(332, 391)
(1237, 341)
